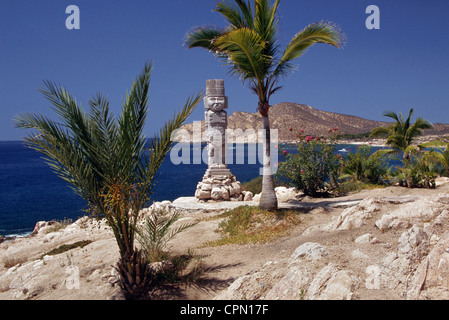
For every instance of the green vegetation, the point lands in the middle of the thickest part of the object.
(106, 161)
(255, 185)
(67, 247)
(316, 170)
(419, 170)
(401, 133)
(249, 46)
(313, 167)
(353, 136)
(442, 157)
(366, 166)
(157, 231)
(248, 224)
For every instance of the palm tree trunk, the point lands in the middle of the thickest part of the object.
(268, 199)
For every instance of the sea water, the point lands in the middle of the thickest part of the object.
(30, 191)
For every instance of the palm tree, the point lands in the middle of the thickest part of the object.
(400, 135)
(442, 156)
(249, 46)
(106, 161)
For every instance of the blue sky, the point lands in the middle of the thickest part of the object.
(404, 64)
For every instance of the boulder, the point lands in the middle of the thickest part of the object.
(431, 279)
(236, 187)
(215, 193)
(248, 196)
(413, 242)
(292, 286)
(201, 194)
(285, 194)
(224, 193)
(420, 211)
(309, 250)
(331, 283)
(206, 187)
(355, 217)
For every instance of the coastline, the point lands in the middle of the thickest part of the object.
(380, 143)
(352, 234)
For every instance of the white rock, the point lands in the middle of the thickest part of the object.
(202, 194)
(430, 281)
(292, 286)
(215, 193)
(355, 217)
(420, 211)
(224, 193)
(248, 196)
(415, 237)
(357, 254)
(366, 238)
(309, 250)
(332, 284)
(206, 187)
(284, 194)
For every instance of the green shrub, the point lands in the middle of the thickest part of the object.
(254, 185)
(419, 171)
(312, 167)
(365, 166)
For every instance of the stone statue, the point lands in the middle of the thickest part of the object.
(218, 182)
(216, 119)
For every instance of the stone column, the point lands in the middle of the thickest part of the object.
(218, 182)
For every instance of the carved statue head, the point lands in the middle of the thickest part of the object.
(215, 98)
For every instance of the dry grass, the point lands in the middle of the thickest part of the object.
(247, 224)
(12, 261)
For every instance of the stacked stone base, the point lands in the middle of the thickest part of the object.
(219, 188)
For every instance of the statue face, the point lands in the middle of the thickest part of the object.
(215, 103)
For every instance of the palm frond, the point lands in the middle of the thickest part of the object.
(244, 47)
(158, 230)
(434, 144)
(265, 21)
(246, 11)
(69, 111)
(232, 14)
(396, 117)
(203, 37)
(318, 32)
(161, 143)
(104, 135)
(380, 132)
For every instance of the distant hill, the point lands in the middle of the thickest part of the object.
(284, 116)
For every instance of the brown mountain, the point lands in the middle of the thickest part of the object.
(284, 116)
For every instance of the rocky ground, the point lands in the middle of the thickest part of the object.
(390, 243)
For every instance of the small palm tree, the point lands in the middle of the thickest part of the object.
(249, 46)
(442, 156)
(401, 133)
(158, 230)
(106, 161)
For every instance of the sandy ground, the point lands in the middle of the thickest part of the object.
(87, 273)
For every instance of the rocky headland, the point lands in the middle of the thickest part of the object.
(286, 115)
(387, 244)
